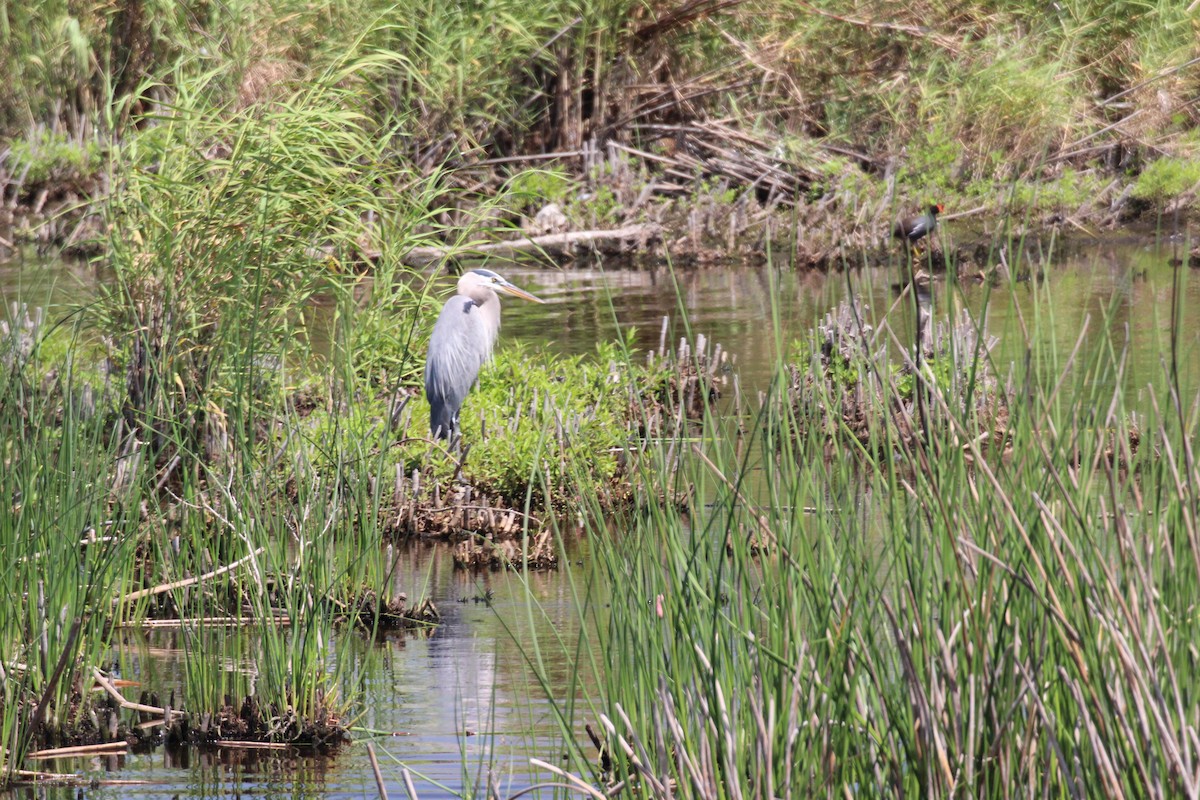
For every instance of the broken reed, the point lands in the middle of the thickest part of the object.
(937, 617)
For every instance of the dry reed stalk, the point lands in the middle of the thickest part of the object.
(230, 622)
(379, 784)
(166, 587)
(577, 783)
(81, 750)
(129, 704)
(408, 783)
(33, 776)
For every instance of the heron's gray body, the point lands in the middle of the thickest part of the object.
(464, 333)
(461, 344)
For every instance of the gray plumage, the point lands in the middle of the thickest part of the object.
(461, 343)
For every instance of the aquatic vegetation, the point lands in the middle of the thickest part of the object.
(65, 553)
(201, 490)
(853, 381)
(990, 592)
(799, 623)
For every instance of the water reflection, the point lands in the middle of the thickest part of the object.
(457, 705)
(1115, 293)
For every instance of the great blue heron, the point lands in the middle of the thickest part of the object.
(461, 343)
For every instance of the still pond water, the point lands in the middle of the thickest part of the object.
(461, 702)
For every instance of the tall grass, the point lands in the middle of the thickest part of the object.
(984, 609)
(61, 532)
(948, 92)
(229, 230)
(147, 448)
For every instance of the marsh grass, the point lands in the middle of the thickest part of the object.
(151, 485)
(240, 471)
(64, 555)
(930, 617)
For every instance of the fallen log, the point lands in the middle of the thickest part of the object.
(552, 243)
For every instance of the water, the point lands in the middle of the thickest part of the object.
(452, 705)
(1121, 287)
(467, 676)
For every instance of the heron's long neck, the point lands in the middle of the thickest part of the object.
(489, 311)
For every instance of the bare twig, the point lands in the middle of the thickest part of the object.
(81, 750)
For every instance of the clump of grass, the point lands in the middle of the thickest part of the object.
(1063, 194)
(67, 505)
(855, 384)
(531, 189)
(49, 158)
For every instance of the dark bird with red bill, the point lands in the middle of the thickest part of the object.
(916, 228)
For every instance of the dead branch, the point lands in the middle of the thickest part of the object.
(552, 243)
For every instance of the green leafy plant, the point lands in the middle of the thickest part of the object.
(1167, 178)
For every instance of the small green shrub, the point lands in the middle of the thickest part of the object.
(527, 416)
(537, 187)
(49, 157)
(602, 205)
(1167, 178)
(1066, 193)
(931, 163)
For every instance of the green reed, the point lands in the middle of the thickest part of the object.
(192, 485)
(979, 607)
(70, 492)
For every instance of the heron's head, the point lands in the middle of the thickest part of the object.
(478, 279)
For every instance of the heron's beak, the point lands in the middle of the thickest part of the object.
(516, 291)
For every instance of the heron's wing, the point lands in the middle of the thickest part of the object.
(459, 346)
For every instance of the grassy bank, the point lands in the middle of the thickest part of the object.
(843, 111)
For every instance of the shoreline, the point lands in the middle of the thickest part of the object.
(622, 206)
